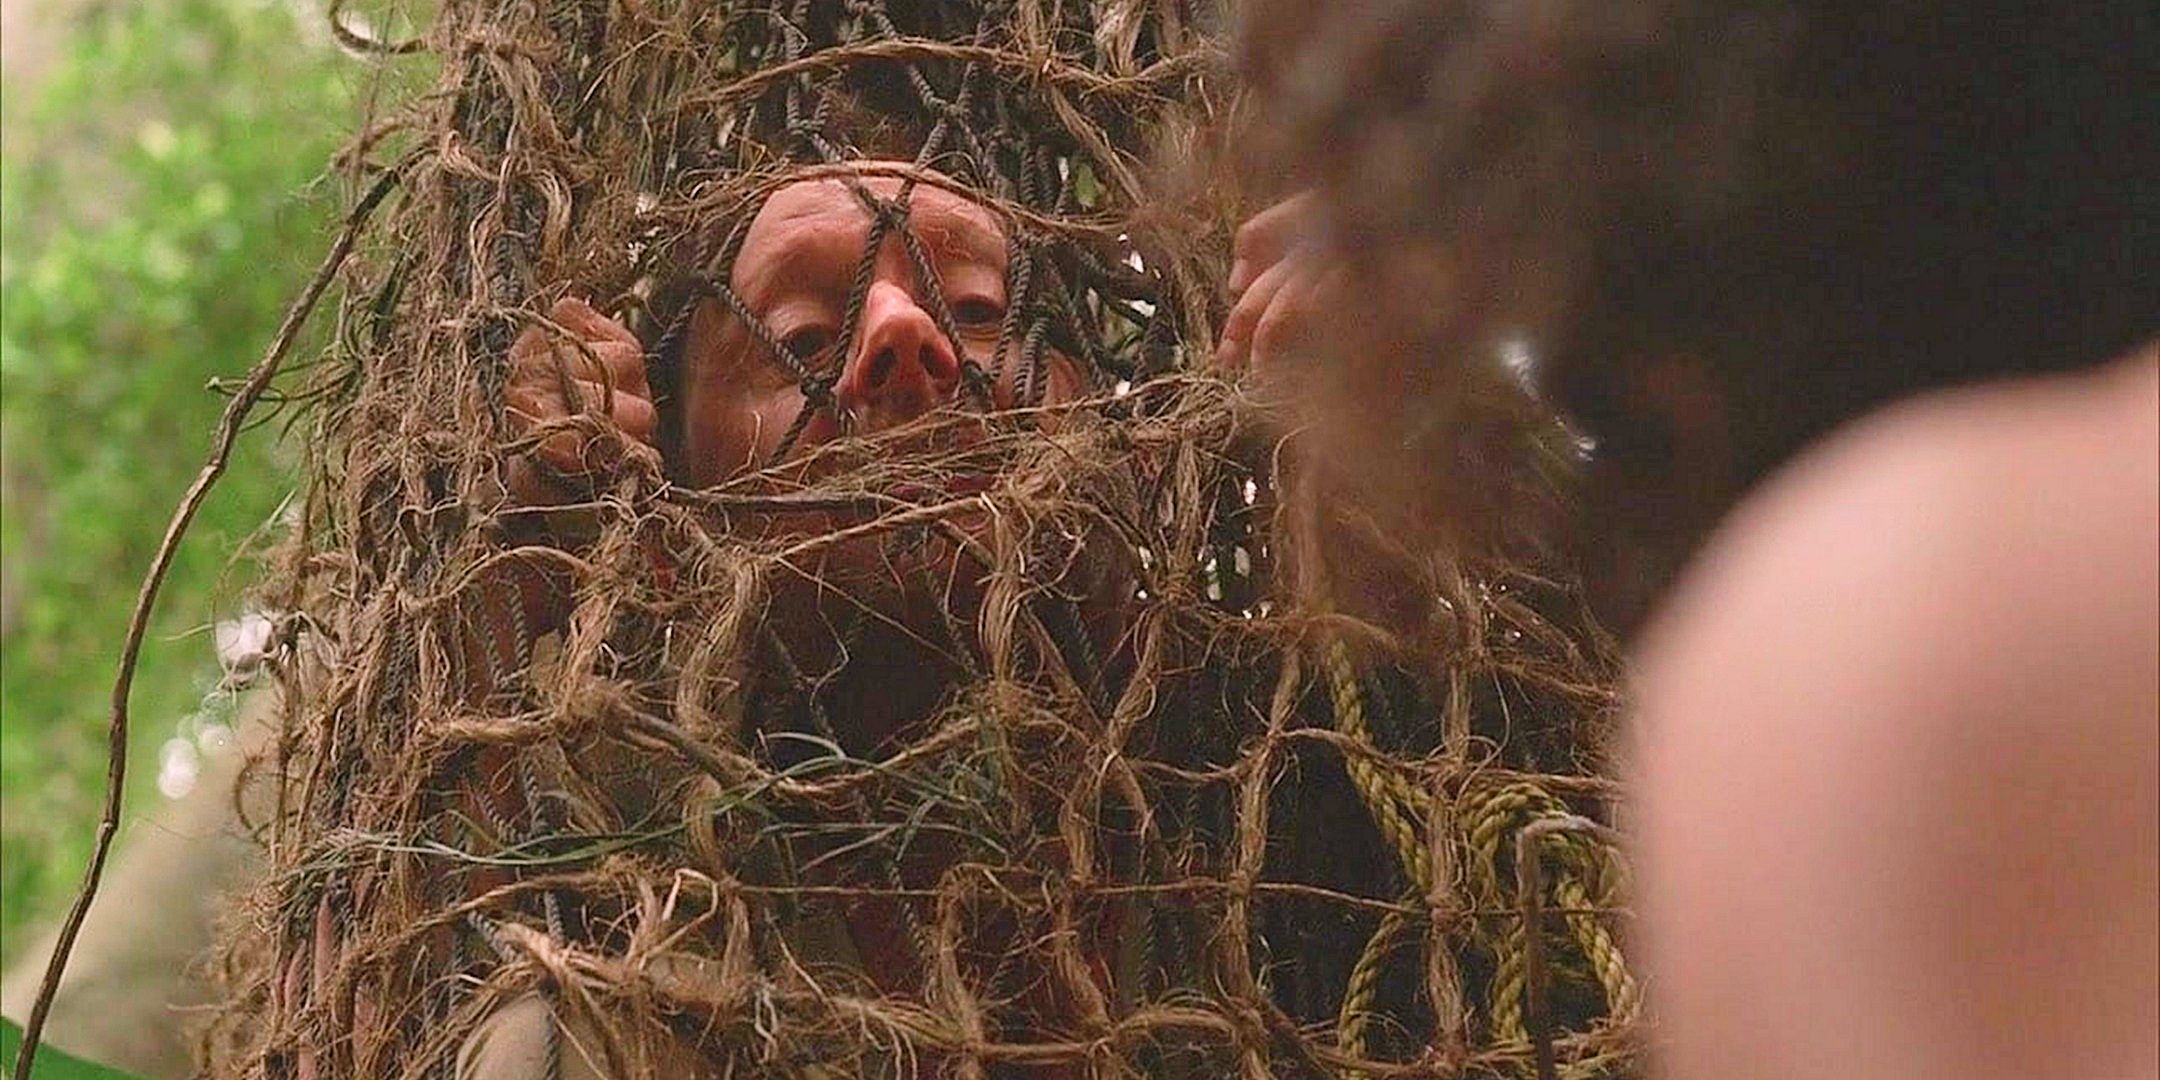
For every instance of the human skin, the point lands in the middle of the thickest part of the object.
(1277, 284)
(796, 267)
(1897, 751)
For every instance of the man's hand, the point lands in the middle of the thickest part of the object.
(1278, 279)
(553, 380)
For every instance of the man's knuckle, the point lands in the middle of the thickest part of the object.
(558, 449)
(624, 357)
(1245, 310)
(1243, 319)
(1276, 327)
(524, 402)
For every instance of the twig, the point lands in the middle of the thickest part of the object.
(1047, 70)
(228, 432)
(1530, 887)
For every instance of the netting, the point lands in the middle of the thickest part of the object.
(1144, 799)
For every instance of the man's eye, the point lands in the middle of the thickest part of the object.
(808, 342)
(977, 311)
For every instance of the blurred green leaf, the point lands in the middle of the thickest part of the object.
(161, 200)
(52, 1064)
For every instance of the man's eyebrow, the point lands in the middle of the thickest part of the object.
(802, 258)
(970, 233)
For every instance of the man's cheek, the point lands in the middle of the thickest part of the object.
(1066, 381)
(780, 413)
(738, 424)
(1061, 382)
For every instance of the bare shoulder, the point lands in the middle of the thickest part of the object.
(2016, 524)
(1951, 579)
(1897, 747)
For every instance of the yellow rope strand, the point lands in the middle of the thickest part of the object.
(1491, 818)
(1356, 1014)
(1384, 793)
(1622, 996)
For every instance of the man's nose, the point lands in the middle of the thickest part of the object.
(903, 367)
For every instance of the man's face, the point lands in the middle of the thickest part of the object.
(795, 270)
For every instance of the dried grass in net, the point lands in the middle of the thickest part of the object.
(1168, 815)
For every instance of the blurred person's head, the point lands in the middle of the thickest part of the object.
(1721, 228)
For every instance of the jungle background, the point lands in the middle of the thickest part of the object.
(164, 192)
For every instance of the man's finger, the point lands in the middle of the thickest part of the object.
(632, 413)
(581, 318)
(1232, 355)
(1264, 239)
(625, 364)
(602, 363)
(1292, 316)
(530, 409)
(529, 402)
(1245, 317)
(564, 452)
(636, 417)
(531, 485)
(529, 350)
(1234, 351)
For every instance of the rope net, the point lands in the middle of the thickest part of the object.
(1028, 738)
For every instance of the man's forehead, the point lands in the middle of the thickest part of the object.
(829, 201)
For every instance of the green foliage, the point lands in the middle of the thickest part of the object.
(158, 214)
(52, 1064)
